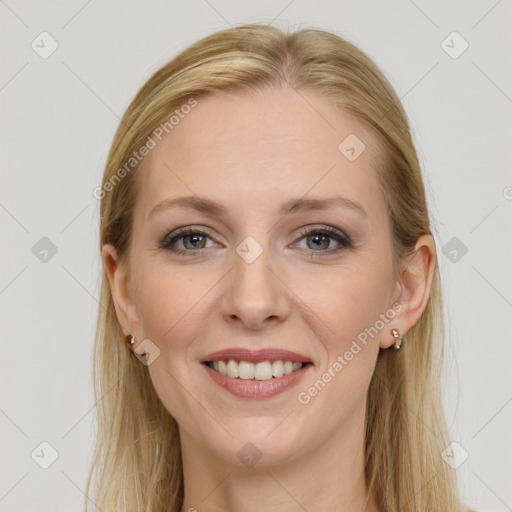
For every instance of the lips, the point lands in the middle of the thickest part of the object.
(261, 385)
(256, 356)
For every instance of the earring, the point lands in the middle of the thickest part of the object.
(130, 341)
(397, 337)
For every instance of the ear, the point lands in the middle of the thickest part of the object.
(414, 286)
(120, 287)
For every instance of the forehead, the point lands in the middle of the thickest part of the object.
(257, 149)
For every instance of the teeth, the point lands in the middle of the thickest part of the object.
(264, 370)
(277, 368)
(232, 370)
(246, 369)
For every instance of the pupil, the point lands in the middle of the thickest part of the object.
(194, 239)
(317, 236)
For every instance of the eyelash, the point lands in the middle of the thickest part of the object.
(344, 240)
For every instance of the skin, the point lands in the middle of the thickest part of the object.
(251, 153)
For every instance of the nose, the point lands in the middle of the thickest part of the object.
(254, 295)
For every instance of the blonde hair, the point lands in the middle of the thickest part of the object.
(137, 462)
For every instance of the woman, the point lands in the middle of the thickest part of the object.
(271, 336)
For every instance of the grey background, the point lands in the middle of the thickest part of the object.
(58, 117)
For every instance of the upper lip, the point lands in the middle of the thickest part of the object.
(256, 356)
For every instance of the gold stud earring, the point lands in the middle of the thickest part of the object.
(398, 339)
(130, 341)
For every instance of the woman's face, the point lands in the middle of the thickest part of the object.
(259, 273)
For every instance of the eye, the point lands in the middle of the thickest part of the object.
(192, 239)
(320, 238)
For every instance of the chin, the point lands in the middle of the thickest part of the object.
(257, 447)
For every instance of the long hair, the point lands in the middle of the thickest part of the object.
(137, 463)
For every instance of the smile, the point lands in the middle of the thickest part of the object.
(263, 370)
(256, 374)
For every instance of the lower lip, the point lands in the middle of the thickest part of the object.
(257, 389)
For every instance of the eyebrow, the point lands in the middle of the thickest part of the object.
(204, 205)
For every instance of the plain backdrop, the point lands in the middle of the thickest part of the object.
(59, 112)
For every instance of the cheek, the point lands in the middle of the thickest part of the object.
(171, 309)
(352, 305)
(348, 300)
(168, 299)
